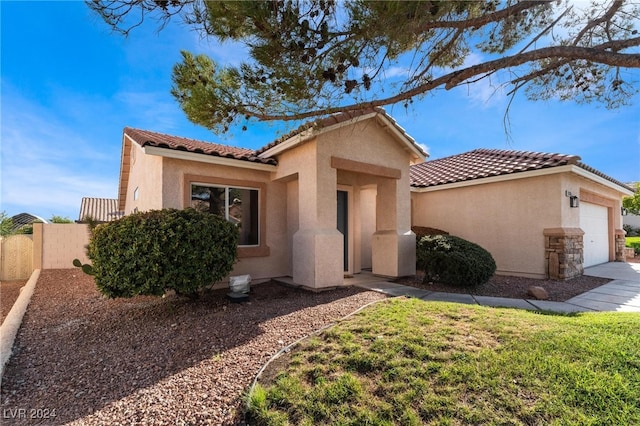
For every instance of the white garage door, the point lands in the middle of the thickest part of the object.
(594, 221)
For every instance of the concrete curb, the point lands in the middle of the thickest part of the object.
(13, 320)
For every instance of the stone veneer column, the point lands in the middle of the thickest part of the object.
(620, 244)
(564, 256)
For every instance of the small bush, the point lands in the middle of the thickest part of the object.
(452, 260)
(151, 252)
(636, 247)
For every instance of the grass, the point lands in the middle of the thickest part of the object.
(629, 240)
(407, 362)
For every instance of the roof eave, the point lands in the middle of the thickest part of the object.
(210, 159)
(569, 168)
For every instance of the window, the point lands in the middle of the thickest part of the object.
(237, 205)
(136, 193)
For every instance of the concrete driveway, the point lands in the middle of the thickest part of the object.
(622, 294)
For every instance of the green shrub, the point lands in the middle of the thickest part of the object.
(636, 247)
(151, 252)
(452, 260)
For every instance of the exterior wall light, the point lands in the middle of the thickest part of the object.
(624, 211)
(574, 201)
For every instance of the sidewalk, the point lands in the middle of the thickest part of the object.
(621, 294)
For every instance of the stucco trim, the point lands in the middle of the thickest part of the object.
(554, 232)
(125, 166)
(365, 168)
(261, 250)
(194, 156)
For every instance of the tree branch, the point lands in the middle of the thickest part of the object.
(455, 78)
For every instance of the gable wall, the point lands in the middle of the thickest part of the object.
(506, 218)
(370, 143)
(145, 173)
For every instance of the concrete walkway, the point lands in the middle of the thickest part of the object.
(621, 294)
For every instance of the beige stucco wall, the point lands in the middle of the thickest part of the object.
(145, 174)
(508, 217)
(259, 267)
(57, 244)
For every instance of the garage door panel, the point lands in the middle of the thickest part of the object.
(594, 221)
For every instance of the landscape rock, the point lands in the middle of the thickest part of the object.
(538, 292)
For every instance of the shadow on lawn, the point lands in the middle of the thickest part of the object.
(77, 352)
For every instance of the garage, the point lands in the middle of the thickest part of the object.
(594, 221)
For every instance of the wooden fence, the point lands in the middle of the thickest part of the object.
(16, 257)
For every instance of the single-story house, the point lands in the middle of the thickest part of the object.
(340, 195)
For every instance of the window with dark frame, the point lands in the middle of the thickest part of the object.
(237, 205)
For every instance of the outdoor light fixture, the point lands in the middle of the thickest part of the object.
(624, 211)
(574, 201)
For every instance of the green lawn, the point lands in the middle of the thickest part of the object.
(629, 240)
(407, 362)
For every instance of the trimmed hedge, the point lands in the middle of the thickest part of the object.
(151, 252)
(453, 260)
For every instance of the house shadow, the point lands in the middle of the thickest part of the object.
(79, 352)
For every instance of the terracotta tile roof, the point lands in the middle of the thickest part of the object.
(337, 119)
(483, 163)
(161, 140)
(99, 209)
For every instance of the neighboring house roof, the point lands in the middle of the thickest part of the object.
(160, 140)
(311, 128)
(99, 209)
(484, 163)
(24, 219)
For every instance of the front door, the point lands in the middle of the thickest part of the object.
(343, 223)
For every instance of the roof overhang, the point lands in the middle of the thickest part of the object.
(210, 159)
(570, 168)
(310, 133)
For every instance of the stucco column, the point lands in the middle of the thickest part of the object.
(393, 244)
(317, 245)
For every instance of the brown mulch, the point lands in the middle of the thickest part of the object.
(515, 287)
(9, 291)
(80, 358)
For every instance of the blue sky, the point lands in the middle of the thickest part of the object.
(69, 86)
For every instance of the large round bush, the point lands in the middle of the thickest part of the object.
(453, 260)
(151, 252)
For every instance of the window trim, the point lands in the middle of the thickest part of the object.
(260, 250)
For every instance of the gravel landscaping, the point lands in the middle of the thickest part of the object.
(82, 359)
(515, 287)
(9, 291)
